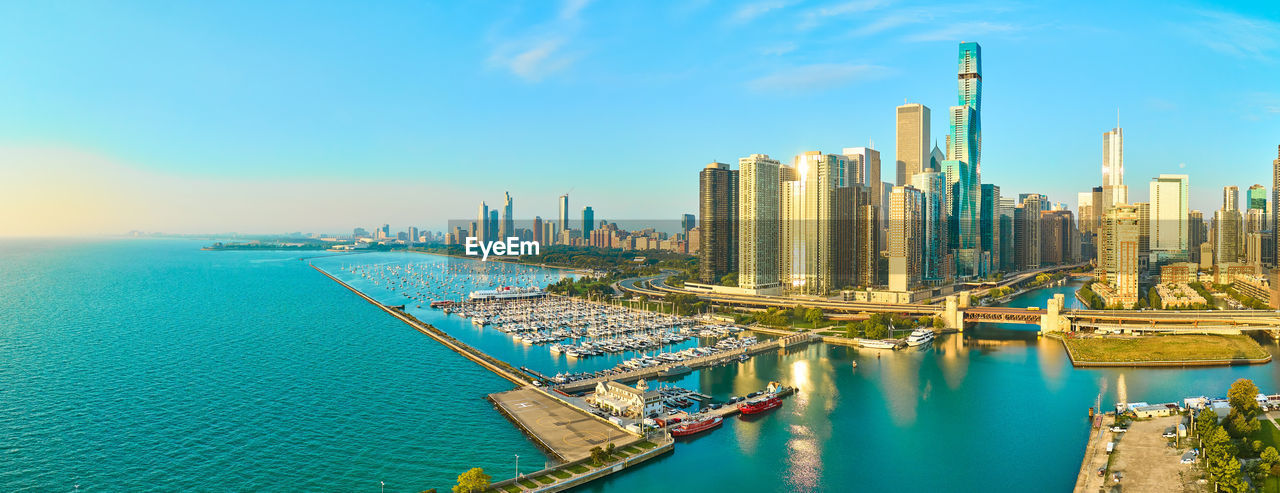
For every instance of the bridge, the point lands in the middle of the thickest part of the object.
(956, 312)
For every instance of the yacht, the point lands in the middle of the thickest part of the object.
(920, 337)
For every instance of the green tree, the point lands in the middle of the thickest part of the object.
(730, 279)
(1243, 398)
(877, 330)
(938, 323)
(1221, 462)
(598, 456)
(1270, 457)
(1206, 421)
(473, 481)
(814, 316)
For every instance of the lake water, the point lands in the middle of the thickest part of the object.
(150, 365)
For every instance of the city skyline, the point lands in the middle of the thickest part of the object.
(147, 150)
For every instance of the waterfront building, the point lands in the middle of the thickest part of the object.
(622, 400)
(932, 187)
(508, 227)
(809, 230)
(718, 206)
(1114, 190)
(1057, 237)
(758, 221)
(912, 153)
(1169, 229)
(966, 117)
(963, 196)
(989, 225)
(1026, 231)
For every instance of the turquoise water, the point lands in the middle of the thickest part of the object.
(149, 365)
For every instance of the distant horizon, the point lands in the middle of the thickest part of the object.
(204, 122)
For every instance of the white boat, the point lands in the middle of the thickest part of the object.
(876, 344)
(506, 293)
(920, 337)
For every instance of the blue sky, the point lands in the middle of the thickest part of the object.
(320, 116)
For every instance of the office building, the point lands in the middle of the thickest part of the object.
(1197, 234)
(1256, 197)
(1008, 247)
(906, 211)
(865, 170)
(912, 153)
(483, 234)
(564, 212)
(588, 221)
(1026, 231)
(1114, 190)
(1057, 237)
(758, 221)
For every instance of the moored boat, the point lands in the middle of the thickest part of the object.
(761, 404)
(674, 371)
(920, 337)
(699, 426)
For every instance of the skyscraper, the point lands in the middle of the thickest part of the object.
(1114, 190)
(758, 194)
(588, 222)
(564, 212)
(1228, 232)
(493, 225)
(963, 200)
(538, 234)
(508, 227)
(809, 230)
(966, 116)
(865, 163)
(483, 221)
(933, 187)
(905, 237)
(1196, 234)
(1170, 206)
(1275, 204)
(718, 206)
(1008, 247)
(1026, 231)
(1120, 268)
(1256, 198)
(989, 224)
(912, 153)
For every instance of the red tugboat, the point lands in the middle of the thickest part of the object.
(761, 404)
(698, 426)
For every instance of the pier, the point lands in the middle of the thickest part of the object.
(584, 385)
(567, 432)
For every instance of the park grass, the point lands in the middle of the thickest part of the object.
(1182, 347)
(512, 488)
(561, 474)
(527, 484)
(620, 454)
(1267, 434)
(631, 449)
(645, 444)
(578, 469)
(544, 479)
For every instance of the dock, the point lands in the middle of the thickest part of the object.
(566, 432)
(794, 339)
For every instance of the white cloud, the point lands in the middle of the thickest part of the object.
(779, 49)
(964, 30)
(817, 77)
(750, 11)
(571, 8)
(543, 50)
(816, 16)
(1235, 35)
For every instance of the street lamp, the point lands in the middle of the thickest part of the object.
(517, 466)
(383, 485)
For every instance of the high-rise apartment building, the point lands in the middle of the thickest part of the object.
(1275, 204)
(906, 231)
(758, 221)
(912, 153)
(1008, 247)
(1120, 270)
(1084, 210)
(493, 225)
(1228, 231)
(933, 189)
(809, 230)
(538, 234)
(1057, 237)
(1170, 207)
(1197, 234)
(718, 206)
(865, 170)
(484, 233)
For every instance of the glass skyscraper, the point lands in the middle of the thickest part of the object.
(966, 116)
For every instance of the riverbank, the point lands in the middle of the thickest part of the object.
(1164, 350)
